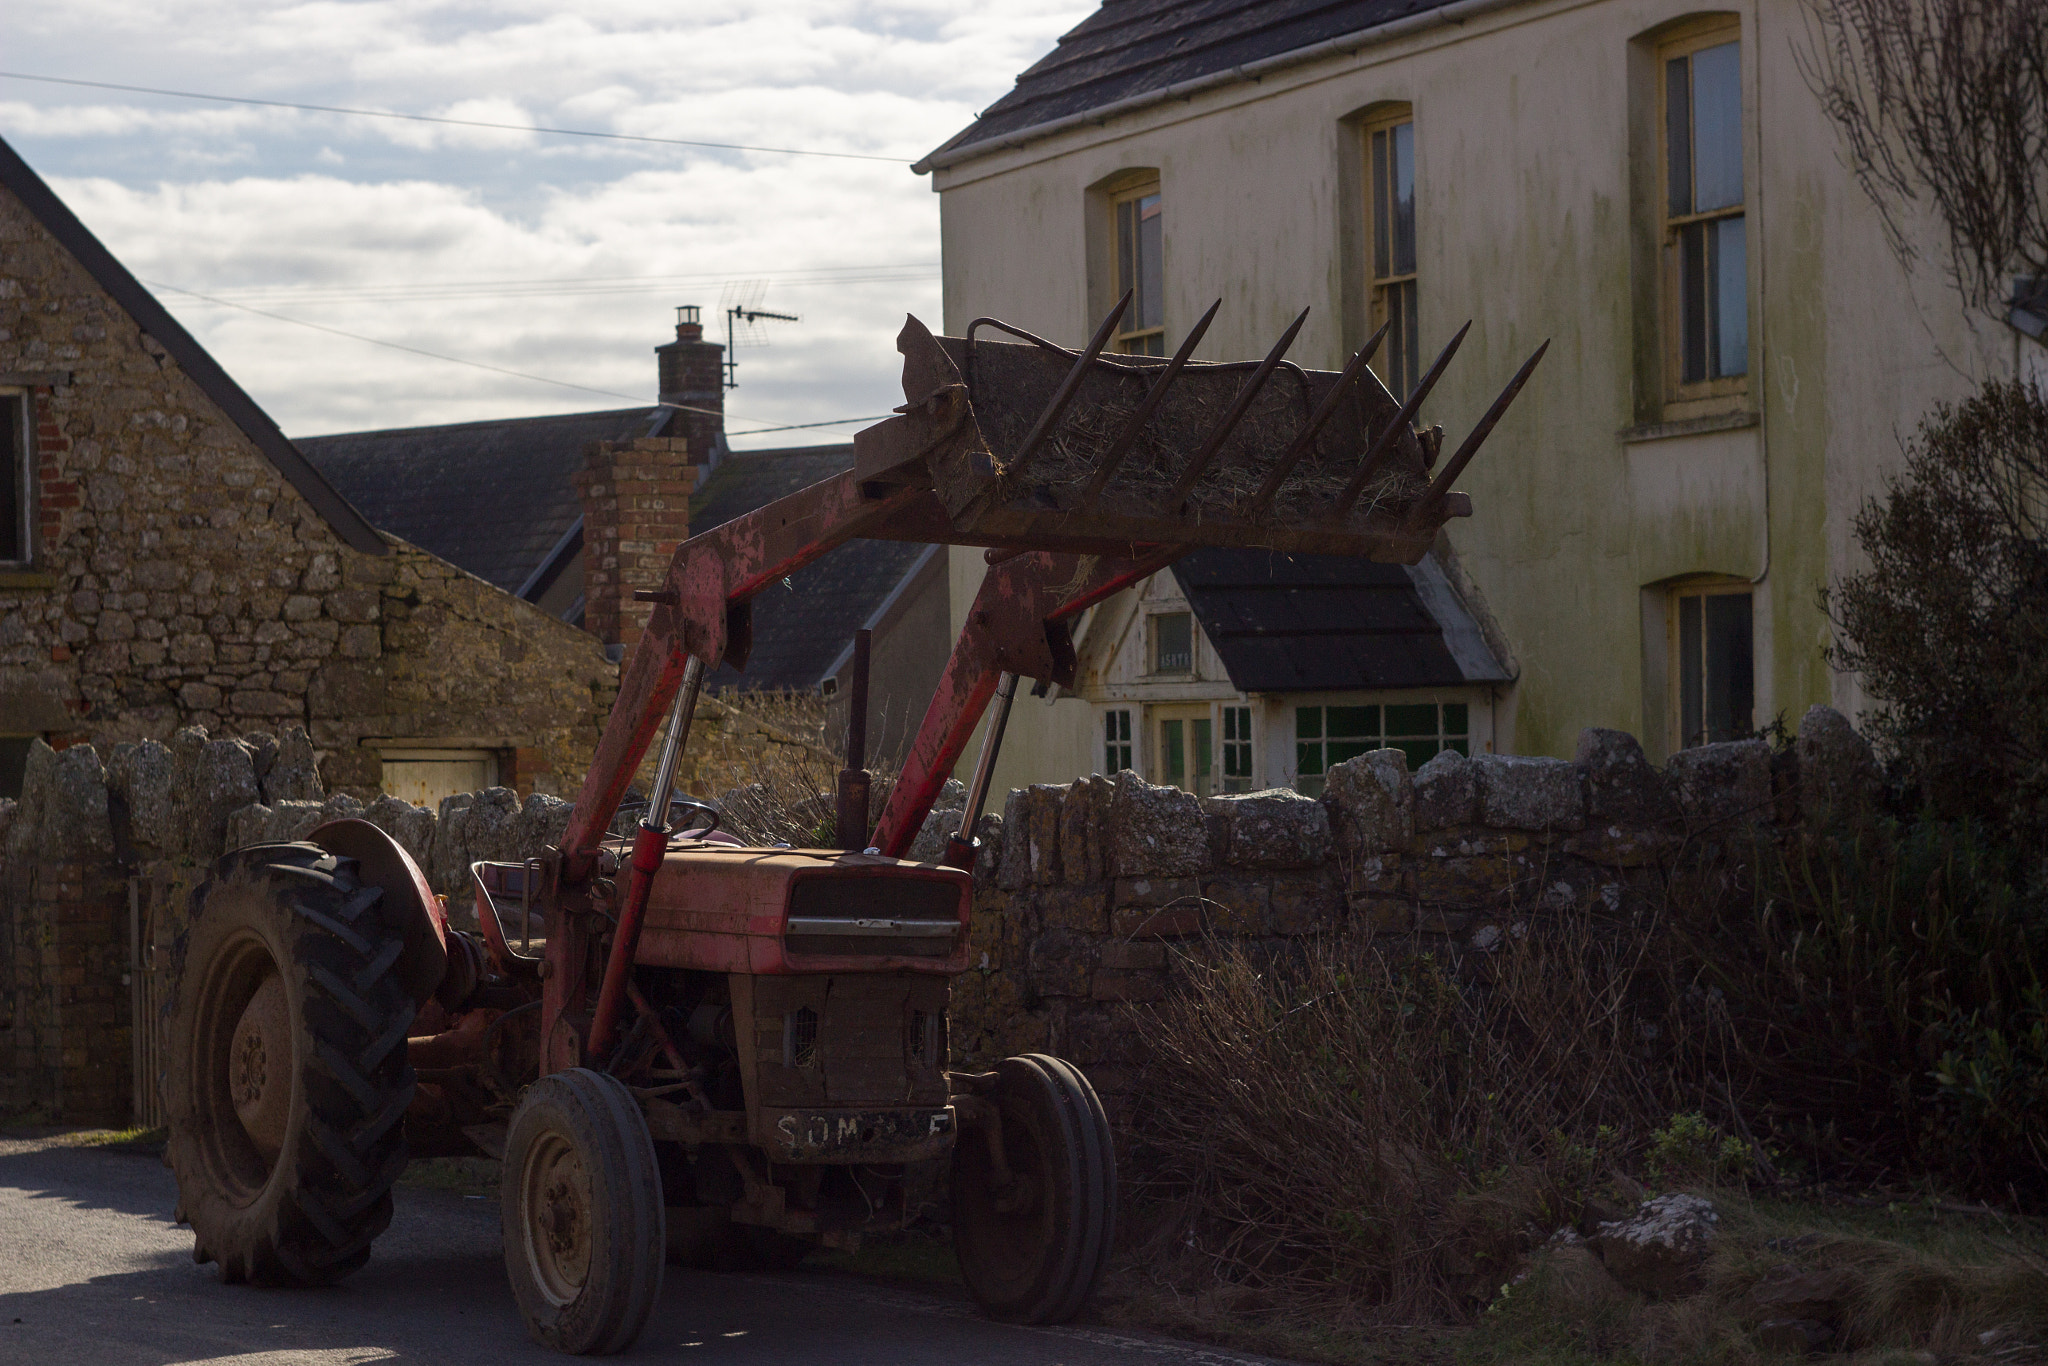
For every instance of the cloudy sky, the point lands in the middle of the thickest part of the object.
(556, 257)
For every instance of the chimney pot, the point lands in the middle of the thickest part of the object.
(688, 325)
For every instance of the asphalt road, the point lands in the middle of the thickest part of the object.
(92, 1270)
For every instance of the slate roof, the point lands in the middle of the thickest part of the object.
(494, 498)
(1130, 48)
(800, 631)
(1326, 623)
(127, 291)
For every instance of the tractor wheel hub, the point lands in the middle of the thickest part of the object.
(260, 1067)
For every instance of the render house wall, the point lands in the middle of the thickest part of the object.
(180, 578)
(1535, 130)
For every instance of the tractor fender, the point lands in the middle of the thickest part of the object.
(381, 861)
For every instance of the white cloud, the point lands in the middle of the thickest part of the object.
(382, 217)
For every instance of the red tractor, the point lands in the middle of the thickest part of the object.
(673, 1039)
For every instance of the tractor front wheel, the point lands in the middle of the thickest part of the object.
(288, 1082)
(1032, 1245)
(585, 1234)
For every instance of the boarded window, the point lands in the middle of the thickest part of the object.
(425, 776)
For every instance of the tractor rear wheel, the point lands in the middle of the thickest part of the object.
(1032, 1249)
(585, 1234)
(287, 1079)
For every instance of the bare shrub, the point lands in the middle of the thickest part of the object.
(1350, 1127)
(1947, 99)
(767, 760)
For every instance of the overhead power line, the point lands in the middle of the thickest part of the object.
(516, 374)
(457, 123)
(568, 287)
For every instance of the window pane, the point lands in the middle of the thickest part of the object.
(1692, 301)
(1688, 672)
(1337, 751)
(1173, 635)
(1419, 752)
(1412, 719)
(1150, 305)
(1678, 135)
(1731, 298)
(1403, 196)
(1203, 737)
(1459, 745)
(1411, 341)
(1126, 249)
(1308, 724)
(1455, 718)
(1308, 761)
(1717, 127)
(1354, 723)
(1174, 756)
(1380, 245)
(1730, 674)
(1400, 344)
(13, 480)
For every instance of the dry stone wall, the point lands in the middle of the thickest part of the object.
(98, 851)
(1090, 894)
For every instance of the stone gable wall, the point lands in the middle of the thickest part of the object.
(181, 580)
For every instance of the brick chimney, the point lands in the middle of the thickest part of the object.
(693, 374)
(636, 494)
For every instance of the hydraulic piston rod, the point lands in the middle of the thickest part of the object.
(960, 845)
(650, 844)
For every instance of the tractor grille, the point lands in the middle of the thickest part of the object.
(917, 917)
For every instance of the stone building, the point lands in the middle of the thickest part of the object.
(172, 560)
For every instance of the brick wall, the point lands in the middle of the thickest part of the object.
(636, 510)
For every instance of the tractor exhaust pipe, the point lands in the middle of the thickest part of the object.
(851, 823)
(961, 845)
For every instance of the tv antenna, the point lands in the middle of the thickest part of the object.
(743, 319)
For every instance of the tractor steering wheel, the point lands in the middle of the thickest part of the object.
(706, 807)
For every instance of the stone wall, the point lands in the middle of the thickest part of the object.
(180, 579)
(1086, 890)
(146, 824)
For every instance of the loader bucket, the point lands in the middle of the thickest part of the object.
(1028, 445)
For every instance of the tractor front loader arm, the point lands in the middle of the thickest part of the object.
(1016, 626)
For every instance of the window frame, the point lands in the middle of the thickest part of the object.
(1236, 740)
(1129, 340)
(1697, 398)
(1153, 621)
(1125, 738)
(1702, 588)
(17, 411)
(1399, 361)
(1377, 736)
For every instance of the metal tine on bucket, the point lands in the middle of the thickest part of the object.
(1406, 415)
(1239, 406)
(1455, 466)
(1306, 441)
(1128, 437)
(1057, 408)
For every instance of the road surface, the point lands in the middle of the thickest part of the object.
(93, 1271)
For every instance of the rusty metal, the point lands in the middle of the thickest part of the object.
(1198, 464)
(1049, 419)
(1305, 442)
(1400, 423)
(1455, 466)
(960, 847)
(650, 845)
(260, 1067)
(1128, 437)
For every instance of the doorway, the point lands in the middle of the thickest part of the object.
(1184, 748)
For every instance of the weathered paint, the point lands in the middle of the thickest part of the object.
(1532, 129)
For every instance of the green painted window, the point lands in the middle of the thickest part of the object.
(1325, 736)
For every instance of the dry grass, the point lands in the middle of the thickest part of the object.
(1380, 1138)
(768, 762)
(1917, 1286)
